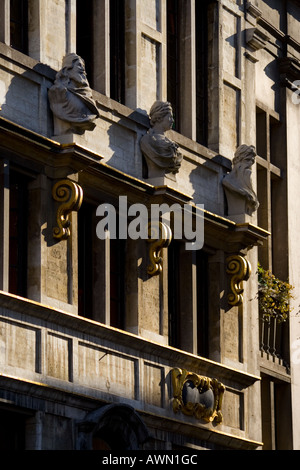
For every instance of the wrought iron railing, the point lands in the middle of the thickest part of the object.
(274, 340)
(274, 297)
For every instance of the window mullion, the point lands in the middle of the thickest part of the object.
(4, 21)
(4, 233)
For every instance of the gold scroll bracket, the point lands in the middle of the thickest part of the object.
(70, 195)
(160, 236)
(240, 270)
(198, 396)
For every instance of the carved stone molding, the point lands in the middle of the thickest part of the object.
(198, 396)
(70, 195)
(253, 11)
(289, 69)
(160, 236)
(240, 270)
(256, 39)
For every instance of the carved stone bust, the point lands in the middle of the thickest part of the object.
(237, 184)
(161, 153)
(71, 99)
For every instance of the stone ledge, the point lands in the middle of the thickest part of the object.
(16, 391)
(26, 62)
(120, 338)
(201, 432)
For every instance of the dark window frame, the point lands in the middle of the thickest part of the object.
(85, 260)
(176, 298)
(117, 50)
(173, 60)
(19, 25)
(85, 36)
(18, 233)
(117, 283)
(201, 15)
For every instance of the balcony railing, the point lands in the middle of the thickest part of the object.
(274, 310)
(274, 340)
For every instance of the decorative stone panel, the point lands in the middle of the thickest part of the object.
(198, 396)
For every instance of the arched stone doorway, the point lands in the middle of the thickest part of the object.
(112, 427)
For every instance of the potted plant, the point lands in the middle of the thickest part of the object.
(273, 296)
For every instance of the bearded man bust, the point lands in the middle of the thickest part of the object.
(240, 195)
(71, 99)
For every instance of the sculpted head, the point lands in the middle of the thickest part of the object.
(161, 153)
(73, 72)
(239, 182)
(161, 115)
(71, 98)
(244, 157)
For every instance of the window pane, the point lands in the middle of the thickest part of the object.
(19, 25)
(201, 72)
(85, 261)
(174, 293)
(173, 59)
(117, 281)
(12, 431)
(85, 35)
(202, 303)
(18, 234)
(117, 51)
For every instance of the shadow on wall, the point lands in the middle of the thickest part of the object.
(206, 181)
(277, 8)
(272, 72)
(124, 143)
(25, 100)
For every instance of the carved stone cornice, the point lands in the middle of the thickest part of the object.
(253, 11)
(58, 161)
(256, 39)
(289, 69)
(42, 154)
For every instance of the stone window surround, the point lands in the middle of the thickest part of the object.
(274, 172)
(5, 23)
(101, 78)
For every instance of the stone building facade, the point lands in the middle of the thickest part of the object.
(110, 339)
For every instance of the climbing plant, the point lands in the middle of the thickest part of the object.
(274, 295)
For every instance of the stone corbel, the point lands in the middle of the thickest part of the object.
(240, 270)
(289, 69)
(252, 13)
(256, 39)
(198, 396)
(160, 236)
(70, 195)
